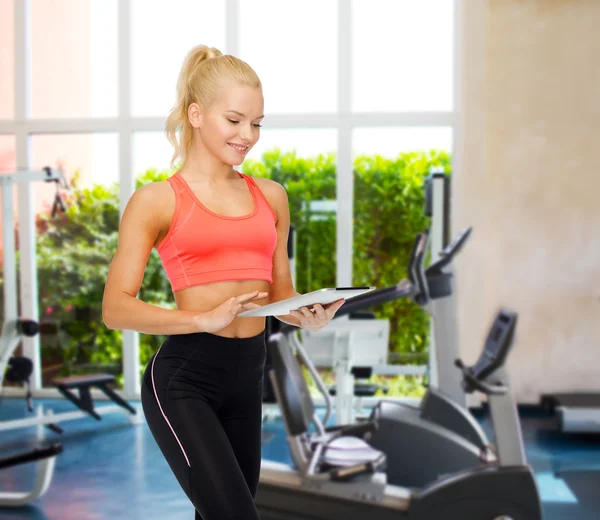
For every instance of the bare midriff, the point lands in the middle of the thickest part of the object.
(204, 298)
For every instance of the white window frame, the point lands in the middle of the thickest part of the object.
(344, 121)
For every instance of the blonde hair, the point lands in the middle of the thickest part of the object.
(199, 80)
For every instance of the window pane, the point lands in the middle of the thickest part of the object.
(307, 142)
(74, 58)
(7, 88)
(162, 33)
(310, 181)
(403, 60)
(293, 48)
(151, 157)
(95, 157)
(8, 157)
(7, 165)
(151, 150)
(389, 211)
(74, 252)
(390, 142)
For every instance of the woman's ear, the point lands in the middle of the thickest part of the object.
(195, 115)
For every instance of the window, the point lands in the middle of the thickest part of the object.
(306, 142)
(74, 58)
(7, 165)
(310, 183)
(294, 52)
(400, 59)
(161, 34)
(7, 37)
(8, 158)
(73, 260)
(388, 215)
(402, 55)
(94, 156)
(151, 150)
(390, 142)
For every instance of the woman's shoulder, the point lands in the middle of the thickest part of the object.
(157, 197)
(271, 188)
(153, 189)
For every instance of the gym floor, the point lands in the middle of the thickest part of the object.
(113, 469)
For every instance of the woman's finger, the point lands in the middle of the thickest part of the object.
(297, 314)
(337, 303)
(254, 295)
(320, 312)
(248, 306)
(245, 297)
(334, 307)
(307, 313)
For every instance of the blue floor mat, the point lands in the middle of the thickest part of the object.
(113, 469)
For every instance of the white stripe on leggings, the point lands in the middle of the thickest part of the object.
(163, 413)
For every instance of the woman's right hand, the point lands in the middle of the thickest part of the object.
(224, 314)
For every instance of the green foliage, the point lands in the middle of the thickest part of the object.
(74, 252)
(306, 180)
(408, 386)
(73, 255)
(388, 213)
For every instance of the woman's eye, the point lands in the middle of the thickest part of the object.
(232, 121)
(258, 126)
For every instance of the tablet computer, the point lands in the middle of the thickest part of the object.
(322, 296)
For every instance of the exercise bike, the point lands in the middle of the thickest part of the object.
(338, 474)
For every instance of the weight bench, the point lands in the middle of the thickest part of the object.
(85, 402)
(46, 458)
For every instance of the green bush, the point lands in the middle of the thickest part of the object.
(388, 213)
(74, 254)
(74, 251)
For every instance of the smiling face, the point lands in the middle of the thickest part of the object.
(230, 127)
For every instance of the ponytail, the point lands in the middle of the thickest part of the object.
(198, 82)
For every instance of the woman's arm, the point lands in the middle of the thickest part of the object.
(282, 286)
(142, 221)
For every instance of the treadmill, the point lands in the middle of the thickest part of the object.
(576, 412)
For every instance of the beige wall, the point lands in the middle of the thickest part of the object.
(529, 183)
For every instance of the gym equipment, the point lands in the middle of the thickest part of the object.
(350, 347)
(347, 340)
(13, 329)
(443, 327)
(46, 457)
(18, 369)
(576, 412)
(353, 347)
(337, 474)
(439, 430)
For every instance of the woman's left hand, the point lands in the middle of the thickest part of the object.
(316, 318)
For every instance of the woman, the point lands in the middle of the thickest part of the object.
(222, 238)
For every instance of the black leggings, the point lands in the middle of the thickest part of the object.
(202, 398)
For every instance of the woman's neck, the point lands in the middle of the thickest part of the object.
(202, 165)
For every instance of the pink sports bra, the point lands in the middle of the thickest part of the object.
(204, 247)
